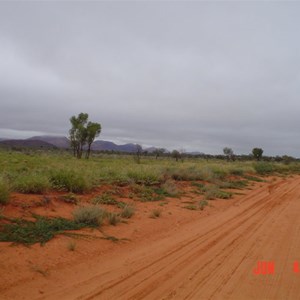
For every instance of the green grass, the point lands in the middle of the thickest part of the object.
(36, 172)
(34, 183)
(4, 192)
(40, 231)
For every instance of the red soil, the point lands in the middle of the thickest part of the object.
(183, 254)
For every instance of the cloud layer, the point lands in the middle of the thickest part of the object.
(192, 75)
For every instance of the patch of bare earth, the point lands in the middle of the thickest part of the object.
(183, 254)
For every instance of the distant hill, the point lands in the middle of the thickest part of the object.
(62, 142)
(110, 146)
(26, 144)
(58, 141)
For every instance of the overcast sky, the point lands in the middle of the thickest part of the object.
(181, 75)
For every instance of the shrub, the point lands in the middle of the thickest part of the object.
(72, 245)
(69, 181)
(202, 204)
(191, 207)
(40, 231)
(113, 219)
(237, 184)
(32, 184)
(69, 198)
(4, 192)
(105, 199)
(263, 168)
(127, 212)
(170, 188)
(213, 192)
(89, 215)
(156, 213)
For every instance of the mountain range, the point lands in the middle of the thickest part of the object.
(61, 142)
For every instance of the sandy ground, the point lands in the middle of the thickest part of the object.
(184, 254)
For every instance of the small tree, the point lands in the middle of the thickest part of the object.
(81, 133)
(257, 153)
(93, 130)
(158, 152)
(228, 152)
(176, 154)
(138, 153)
(78, 133)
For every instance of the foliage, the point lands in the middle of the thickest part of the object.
(39, 231)
(89, 215)
(83, 132)
(32, 184)
(70, 181)
(176, 154)
(228, 152)
(202, 204)
(4, 192)
(127, 212)
(113, 218)
(263, 168)
(257, 153)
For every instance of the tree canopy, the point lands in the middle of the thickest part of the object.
(83, 132)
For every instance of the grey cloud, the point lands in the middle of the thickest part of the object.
(193, 75)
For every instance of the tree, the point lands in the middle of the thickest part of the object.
(81, 133)
(93, 130)
(159, 151)
(176, 154)
(228, 152)
(138, 153)
(257, 153)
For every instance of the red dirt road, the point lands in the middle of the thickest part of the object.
(212, 257)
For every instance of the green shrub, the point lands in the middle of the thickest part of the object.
(70, 198)
(40, 231)
(263, 168)
(89, 215)
(191, 207)
(127, 212)
(144, 177)
(70, 181)
(32, 184)
(253, 178)
(237, 172)
(213, 192)
(233, 184)
(4, 192)
(105, 198)
(202, 204)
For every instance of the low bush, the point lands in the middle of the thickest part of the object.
(89, 215)
(156, 213)
(113, 219)
(202, 204)
(4, 192)
(212, 192)
(127, 212)
(105, 198)
(32, 184)
(39, 231)
(70, 181)
(263, 168)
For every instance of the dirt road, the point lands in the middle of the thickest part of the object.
(210, 258)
